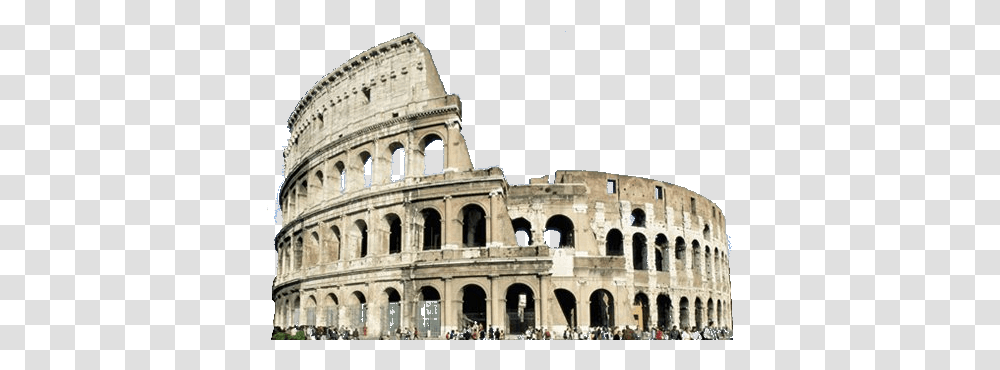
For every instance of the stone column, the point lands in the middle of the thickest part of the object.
(543, 303)
(448, 241)
(491, 222)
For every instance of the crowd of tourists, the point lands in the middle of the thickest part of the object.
(710, 332)
(477, 331)
(309, 332)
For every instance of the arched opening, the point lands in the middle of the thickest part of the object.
(287, 316)
(395, 233)
(680, 254)
(705, 232)
(332, 305)
(297, 306)
(658, 260)
(280, 270)
(639, 251)
(711, 311)
(640, 311)
(335, 243)
(559, 232)
(602, 309)
(614, 243)
(398, 170)
(432, 154)
(685, 318)
(699, 312)
(342, 171)
(317, 246)
(663, 309)
(663, 262)
(638, 218)
(522, 231)
(361, 235)
(320, 180)
(428, 313)
(432, 229)
(473, 226)
(567, 305)
(303, 192)
(311, 311)
(708, 264)
(520, 308)
(358, 310)
(366, 159)
(473, 305)
(298, 254)
(392, 311)
(696, 263)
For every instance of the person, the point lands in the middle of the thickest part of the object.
(695, 335)
(659, 333)
(709, 332)
(675, 334)
(416, 333)
(685, 335)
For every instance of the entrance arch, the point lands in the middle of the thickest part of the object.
(473, 305)
(332, 306)
(473, 226)
(428, 314)
(357, 310)
(567, 305)
(562, 226)
(699, 311)
(639, 251)
(392, 313)
(684, 316)
(663, 311)
(520, 308)
(602, 309)
(640, 311)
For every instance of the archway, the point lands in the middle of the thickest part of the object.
(367, 168)
(522, 231)
(311, 311)
(680, 255)
(398, 159)
(332, 310)
(361, 237)
(699, 312)
(697, 265)
(473, 226)
(334, 244)
(298, 253)
(602, 309)
(640, 311)
(563, 227)
(638, 218)
(663, 259)
(473, 305)
(357, 311)
(520, 308)
(395, 233)
(431, 154)
(392, 311)
(432, 229)
(297, 306)
(663, 310)
(428, 313)
(685, 319)
(639, 251)
(614, 243)
(567, 305)
(711, 311)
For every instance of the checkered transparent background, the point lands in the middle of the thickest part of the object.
(852, 146)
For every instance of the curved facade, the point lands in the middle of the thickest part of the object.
(438, 251)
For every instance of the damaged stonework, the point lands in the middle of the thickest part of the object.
(370, 239)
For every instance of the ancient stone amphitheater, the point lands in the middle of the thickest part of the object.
(370, 240)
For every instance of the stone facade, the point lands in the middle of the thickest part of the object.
(439, 251)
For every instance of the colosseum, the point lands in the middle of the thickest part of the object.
(376, 236)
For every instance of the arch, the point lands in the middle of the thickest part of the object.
(602, 309)
(392, 314)
(361, 237)
(717, 274)
(680, 254)
(357, 310)
(320, 179)
(699, 311)
(522, 231)
(395, 227)
(639, 252)
(567, 305)
(310, 307)
(520, 308)
(367, 166)
(658, 258)
(428, 293)
(711, 311)
(281, 259)
(708, 263)
(696, 262)
(638, 218)
(335, 241)
(298, 253)
(685, 316)
(564, 226)
(473, 305)
(640, 311)
(664, 308)
(431, 148)
(398, 158)
(342, 173)
(332, 305)
(296, 307)
(317, 245)
(614, 243)
(428, 313)
(473, 226)
(392, 295)
(706, 232)
(432, 229)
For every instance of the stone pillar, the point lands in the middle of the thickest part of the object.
(448, 240)
(494, 300)
(543, 304)
(491, 222)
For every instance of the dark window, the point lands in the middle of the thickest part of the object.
(611, 186)
(658, 193)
